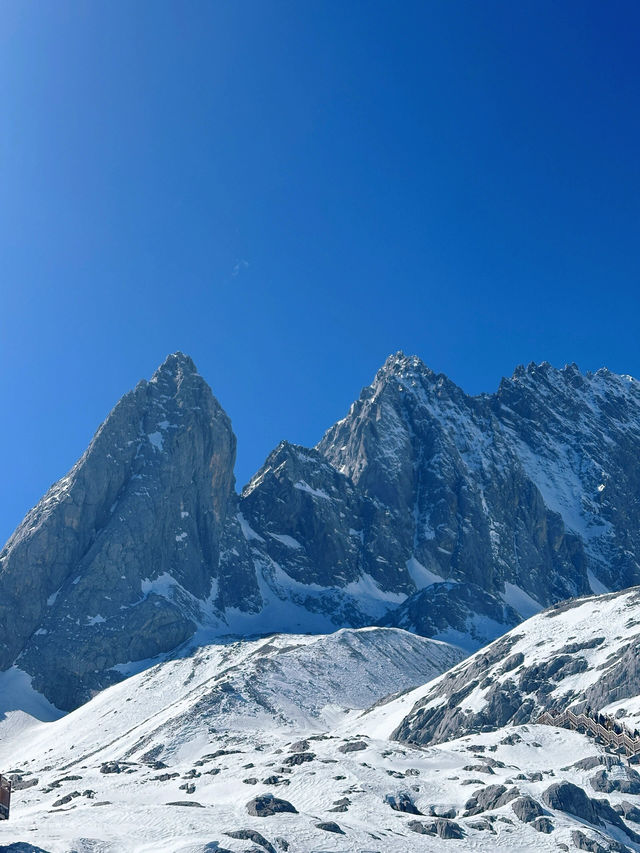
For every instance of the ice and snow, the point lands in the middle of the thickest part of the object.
(287, 540)
(163, 585)
(254, 697)
(520, 600)
(596, 585)
(303, 486)
(224, 722)
(603, 628)
(156, 439)
(21, 706)
(371, 596)
(420, 575)
(554, 471)
(247, 531)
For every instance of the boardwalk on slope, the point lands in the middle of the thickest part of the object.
(620, 741)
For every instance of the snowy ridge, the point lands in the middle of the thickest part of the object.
(526, 493)
(577, 654)
(282, 717)
(224, 704)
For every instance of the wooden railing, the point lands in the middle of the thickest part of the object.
(568, 720)
(5, 797)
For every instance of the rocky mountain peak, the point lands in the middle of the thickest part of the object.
(602, 381)
(178, 379)
(398, 364)
(450, 515)
(176, 367)
(177, 362)
(111, 564)
(408, 374)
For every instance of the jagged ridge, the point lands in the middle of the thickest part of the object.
(449, 515)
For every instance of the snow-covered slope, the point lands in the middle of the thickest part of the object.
(290, 681)
(585, 652)
(196, 755)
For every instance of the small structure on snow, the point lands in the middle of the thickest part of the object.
(5, 797)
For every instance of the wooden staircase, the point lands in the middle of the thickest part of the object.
(621, 742)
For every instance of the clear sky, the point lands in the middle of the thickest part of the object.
(290, 191)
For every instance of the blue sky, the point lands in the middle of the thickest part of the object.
(289, 191)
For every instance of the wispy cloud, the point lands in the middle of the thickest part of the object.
(239, 267)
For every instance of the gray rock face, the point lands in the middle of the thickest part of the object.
(297, 491)
(402, 802)
(583, 842)
(316, 541)
(115, 561)
(628, 784)
(252, 835)
(443, 466)
(434, 723)
(524, 486)
(542, 824)
(592, 761)
(267, 805)
(353, 746)
(567, 797)
(298, 758)
(476, 509)
(447, 515)
(527, 809)
(630, 812)
(529, 670)
(442, 827)
(488, 798)
(448, 829)
(330, 826)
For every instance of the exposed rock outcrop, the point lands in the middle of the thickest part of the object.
(267, 805)
(528, 671)
(448, 515)
(115, 562)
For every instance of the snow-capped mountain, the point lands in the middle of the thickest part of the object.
(447, 515)
(529, 494)
(296, 682)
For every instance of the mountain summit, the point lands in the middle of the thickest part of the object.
(424, 508)
(87, 578)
